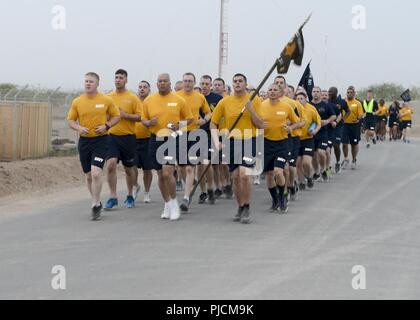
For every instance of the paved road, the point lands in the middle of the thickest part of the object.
(369, 217)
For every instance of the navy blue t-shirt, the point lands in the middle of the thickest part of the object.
(325, 111)
(341, 107)
(212, 99)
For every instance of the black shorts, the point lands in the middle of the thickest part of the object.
(123, 148)
(406, 124)
(307, 148)
(294, 148)
(393, 122)
(338, 135)
(321, 141)
(241, 153)
(92, 152)
(163, 152)
(276, 154)
(143, 158)
(370, 122)
(351, 134)
(191, 153)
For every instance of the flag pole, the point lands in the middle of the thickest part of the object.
(275, 65)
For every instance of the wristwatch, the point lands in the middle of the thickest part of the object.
(107, 126)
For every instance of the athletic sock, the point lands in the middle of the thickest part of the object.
(274, 194)
(281, 191)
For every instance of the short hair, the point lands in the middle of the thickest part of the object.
(317, 87)
(240, 75)
(121, 71)
(144, 81)
(292, 88)
(220, 79)
(189, 74)
(92, 74)
(382, 101)
(351, 88)
(207, 77)
(370, 91)
(301, 93)
(280, 77)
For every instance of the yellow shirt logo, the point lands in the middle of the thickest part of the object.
(172, 104)
(100, 106)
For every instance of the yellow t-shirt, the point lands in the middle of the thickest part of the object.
(356, 111)
(310, 115)
(92, 112)
(229, 109)
(276, 116)
(408, 116)
(130, 103)
(170, 108)
(298, 109)
(383, 110)
(196, 102)
(141, 131)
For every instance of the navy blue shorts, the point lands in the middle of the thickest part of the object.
(321, 141)
(242, 153)
(307, 148)
(163, 152)
(338, 135)
(351, 134)
(406, 124)
(370, 122)
(276, 154)
(143, 158)
(92, 152)
(123, 148)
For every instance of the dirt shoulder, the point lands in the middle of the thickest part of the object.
(43, 175)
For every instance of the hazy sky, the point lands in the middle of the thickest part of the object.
(150, 37)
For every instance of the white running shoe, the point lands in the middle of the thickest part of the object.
(257, 181)
(353, 165)
(147, 198)
(174, 210)
(166, 212)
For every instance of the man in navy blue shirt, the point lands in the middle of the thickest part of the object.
(341, 109)
(207, 185)
(321, 139)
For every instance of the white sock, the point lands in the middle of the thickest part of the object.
(167, 205)
(187, 198)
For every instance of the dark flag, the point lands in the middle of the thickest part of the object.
(406, 97)
(307, 81)
(293, 51)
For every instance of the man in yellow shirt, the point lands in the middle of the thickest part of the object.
(197, 104)
(406, 118)
(92, 115)
(294, 136)
(163, 113)
(307, 141)
(351, 131)
(142, 141)
(122, 140)
(242, 144)
(279, 119)
(381, 120)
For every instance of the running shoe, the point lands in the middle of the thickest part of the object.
(96, 212)
(129, 202)
(111, 203)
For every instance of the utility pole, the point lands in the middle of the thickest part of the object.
(224, 36)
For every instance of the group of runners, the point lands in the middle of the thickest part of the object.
(186, 133)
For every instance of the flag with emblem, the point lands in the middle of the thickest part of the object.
(292, 52)
(307, 81)
(406, 97)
